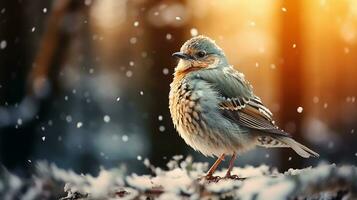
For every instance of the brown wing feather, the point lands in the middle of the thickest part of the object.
(251, 116)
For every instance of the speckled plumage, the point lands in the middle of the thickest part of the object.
(200, 123)
(214, 108)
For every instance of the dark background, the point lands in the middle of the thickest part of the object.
(85, 84)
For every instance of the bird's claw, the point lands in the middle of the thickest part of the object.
(216, 179)
(233, 177)
(211, 179)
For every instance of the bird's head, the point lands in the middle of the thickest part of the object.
(198, 53)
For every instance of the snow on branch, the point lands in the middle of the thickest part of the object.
(182, 179)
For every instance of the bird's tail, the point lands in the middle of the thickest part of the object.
(300, 149)
(285, 141)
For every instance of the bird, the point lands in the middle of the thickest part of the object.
(215, 111)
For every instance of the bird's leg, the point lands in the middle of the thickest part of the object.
(230, 167)
(210, 172)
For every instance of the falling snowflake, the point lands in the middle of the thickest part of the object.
(294, 46)
(133, 40)
(79, 124)
(44, 10)
(33, 29)
(69, 118)
(315, 99)
(125, 138)
(139, 157)
(194, 32)
(3, 44)
(43, 138)
(299, 109)
(168, 36)
(178, 18)
(118, 98)
(284, 9)
(106, 118)
(162, 128)
(165, 71)
(131, 63)
(136, 23)
(129, 73)
(141, 93)
(160, 118)
(19, 121)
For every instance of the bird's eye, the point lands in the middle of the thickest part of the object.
(201, 54)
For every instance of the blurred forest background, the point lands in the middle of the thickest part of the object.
(84, 83)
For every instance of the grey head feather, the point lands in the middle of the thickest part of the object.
(204, 43)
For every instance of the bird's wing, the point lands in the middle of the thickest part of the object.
(238, 103)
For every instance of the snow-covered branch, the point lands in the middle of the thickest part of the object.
(181, 179)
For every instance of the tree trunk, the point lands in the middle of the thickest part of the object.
(291, 69)
(164, 143)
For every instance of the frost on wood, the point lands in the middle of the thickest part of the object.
(181, 179)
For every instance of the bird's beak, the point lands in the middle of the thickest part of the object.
(181, 55)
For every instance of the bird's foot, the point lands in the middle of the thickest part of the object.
(233, 177)
(210, 178)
